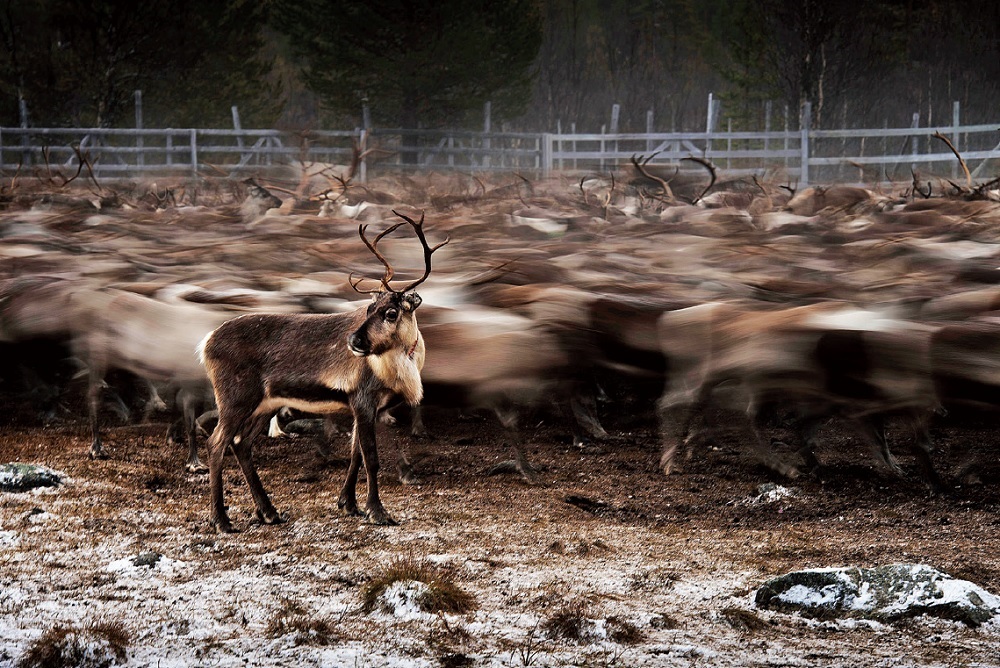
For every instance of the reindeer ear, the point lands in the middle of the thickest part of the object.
(412, 301)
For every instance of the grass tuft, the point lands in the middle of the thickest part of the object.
(623, 631)
(294, 620)
(570, 622)
(574, 622)
(743, 620)
(96, 645)
(441, 595)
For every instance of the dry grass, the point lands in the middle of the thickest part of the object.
(743, 620)
(623, 631)
(570, 622)
(305, 628)
(96, 645)
(441, 596)
(575, 622)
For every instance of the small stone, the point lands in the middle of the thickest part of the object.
(148, 559)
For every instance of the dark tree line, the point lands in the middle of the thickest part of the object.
(542, 63)
(79, 62)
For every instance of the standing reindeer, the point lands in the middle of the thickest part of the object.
(317, 363)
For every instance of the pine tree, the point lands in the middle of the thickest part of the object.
(415, 63)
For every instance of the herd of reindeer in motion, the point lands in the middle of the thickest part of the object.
(832, 303)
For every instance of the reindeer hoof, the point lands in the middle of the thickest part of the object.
(407, 475)
(381, 518)
(350, 507)
(223, 526)
(409, 478)
(98, 453)
(273, 517)
(196, 467)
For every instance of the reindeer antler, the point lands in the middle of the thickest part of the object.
(373, 247)
(428, 251)
(389, 272)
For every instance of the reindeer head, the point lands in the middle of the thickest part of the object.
(391, 321)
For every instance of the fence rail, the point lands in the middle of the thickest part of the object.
(856, 155)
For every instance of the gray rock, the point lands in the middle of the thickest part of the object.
(884, 594)
(24, 477)
(147, 559)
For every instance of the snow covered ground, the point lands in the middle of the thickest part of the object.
(123, 542)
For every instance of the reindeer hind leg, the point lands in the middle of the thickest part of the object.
(217, 444)
(243, 449)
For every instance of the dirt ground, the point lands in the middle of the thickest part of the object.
(676, 559)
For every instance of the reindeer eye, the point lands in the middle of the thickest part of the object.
(391, 315)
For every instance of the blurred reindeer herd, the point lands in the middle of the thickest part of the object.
(678, 294)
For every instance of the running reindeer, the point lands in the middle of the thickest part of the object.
(316, 363)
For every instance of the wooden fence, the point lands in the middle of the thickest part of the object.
(804, 156)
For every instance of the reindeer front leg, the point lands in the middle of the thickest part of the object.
(364, 428)
(348, 500)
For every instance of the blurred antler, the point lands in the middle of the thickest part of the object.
(961, 160)
(640, 164)
(711, 170)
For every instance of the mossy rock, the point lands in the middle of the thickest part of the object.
(25, 477)
(885, 594)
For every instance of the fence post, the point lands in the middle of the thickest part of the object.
(804, 123)
(914, 140)
(604, 131)
(786, 138)
(140, 157)
(487, 144)
(239, 131)
(572, 131)
(546, 142)
(194, 152)
(237, 126)
(22, 106)
(767, 123)
(708, 125)
(559, 134)
(729, 141)
(954, 134)
(649, 130)
(615, 114)
(362, 144)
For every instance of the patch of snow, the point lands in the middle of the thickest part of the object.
(770, 493)
(402, 600)
(683, 651)
(808, 597)
(138, 567)
(41, 517)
